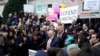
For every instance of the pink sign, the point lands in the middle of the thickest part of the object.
(52, 17)
(57, 10)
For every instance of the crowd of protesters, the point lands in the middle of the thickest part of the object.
(29, 32)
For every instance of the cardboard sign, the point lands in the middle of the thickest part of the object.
(69, 14)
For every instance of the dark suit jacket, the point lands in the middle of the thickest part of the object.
(62, 41)
(54, 42)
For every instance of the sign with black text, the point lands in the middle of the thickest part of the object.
(69, 14)
(92, 5)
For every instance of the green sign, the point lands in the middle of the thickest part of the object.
(40, 8)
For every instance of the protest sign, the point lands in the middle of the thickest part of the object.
(32, 52)
(28, 8)
(92, 5)
(41, 8)
(69, 14)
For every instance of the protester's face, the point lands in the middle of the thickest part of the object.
(32, 17)
(24, 33)
(94, 39)
(60, 28)
(50, 34)
(84, 26)
(91, 32)
(35, 38)
(10, 34)
(31, 30)
(4, 34)
(51, 27)
(74, 31)
(20, 19)
(44, 28)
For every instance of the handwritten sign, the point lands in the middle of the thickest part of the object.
(69, 14)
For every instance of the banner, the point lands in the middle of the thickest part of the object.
(32, 52)
(41, 8)
(69, 14)
(92, 5)
(28, 8)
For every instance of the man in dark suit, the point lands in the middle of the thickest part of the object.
(62, 35)
(85, 29)
(52, 40)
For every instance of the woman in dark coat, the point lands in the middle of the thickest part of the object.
(10, 47)
(34, 45)
(22, 43)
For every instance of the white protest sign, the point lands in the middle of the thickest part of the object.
(32, 52)
(41, 8)
(28, 8)
(69, 14)
(93, 5)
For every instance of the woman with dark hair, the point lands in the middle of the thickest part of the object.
(84, 45)
(10, 44)
(34, 44)
(30, 31)
(22, 43)
(82, 40)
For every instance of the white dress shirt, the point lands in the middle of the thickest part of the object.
(49, 42)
